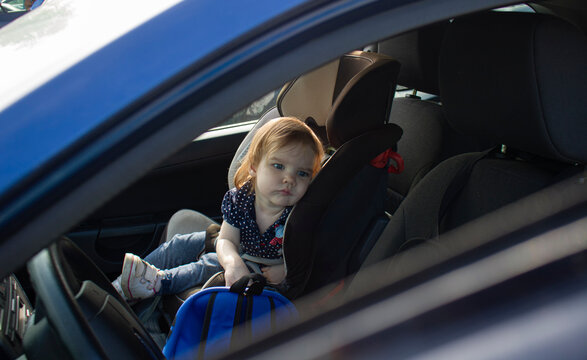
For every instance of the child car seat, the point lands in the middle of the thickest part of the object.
(369, 73)
(344, 206)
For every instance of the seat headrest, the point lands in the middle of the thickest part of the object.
(365, 101)
(517, 79)
(418, 52)
(310, 95)
(340, 94)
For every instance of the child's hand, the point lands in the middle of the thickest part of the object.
(234, 273)
(274, 274)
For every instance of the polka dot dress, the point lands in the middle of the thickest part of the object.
(238, 209)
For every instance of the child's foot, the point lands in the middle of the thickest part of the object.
(139, 279)
(211, 235)
(118, 287)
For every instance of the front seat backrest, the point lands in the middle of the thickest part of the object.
(427, 138)
(509, 78)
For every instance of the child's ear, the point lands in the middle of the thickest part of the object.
(252, 171)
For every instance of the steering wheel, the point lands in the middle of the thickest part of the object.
(90, 319)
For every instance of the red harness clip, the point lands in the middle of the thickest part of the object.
(382, 160)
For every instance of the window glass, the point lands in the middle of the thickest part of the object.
(255, 110)
(12, 5)
(516, 8)
(10, 10)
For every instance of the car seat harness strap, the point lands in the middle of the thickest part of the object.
(387, 159)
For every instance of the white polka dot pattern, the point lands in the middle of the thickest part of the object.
(238, 209)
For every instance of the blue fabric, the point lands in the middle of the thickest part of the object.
(36, 4)
(185, 335)
(178, 258)
(238, 209)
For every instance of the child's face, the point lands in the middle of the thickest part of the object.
(282, 177)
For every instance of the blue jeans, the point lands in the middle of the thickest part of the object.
(178, 259)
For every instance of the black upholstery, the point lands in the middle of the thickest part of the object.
(330, 225)
(350, 65)
(365, 101)
(418, 52)
(498, 82)
(326, 85)
(420, 146)
(516, 79)
(427, 138)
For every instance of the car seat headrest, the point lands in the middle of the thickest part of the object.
(310, 95)
(517, 79)
(418, 52)
(365, 101)
(314, 97)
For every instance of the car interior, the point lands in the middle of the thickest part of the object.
(525, 152)
(482, 109)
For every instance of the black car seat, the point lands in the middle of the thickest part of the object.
(349, 96)
(340, 101)
(428, 138)
(344, 206)
(515, 79)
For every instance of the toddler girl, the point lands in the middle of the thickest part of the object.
(282, 159)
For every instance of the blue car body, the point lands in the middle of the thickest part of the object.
(103, 94)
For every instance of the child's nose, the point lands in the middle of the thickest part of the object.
(289, 178)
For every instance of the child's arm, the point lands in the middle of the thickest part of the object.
(227, 250)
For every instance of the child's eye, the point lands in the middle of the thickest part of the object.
(303, 173)
(278, 166)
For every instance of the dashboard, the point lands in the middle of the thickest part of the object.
(15, 311)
